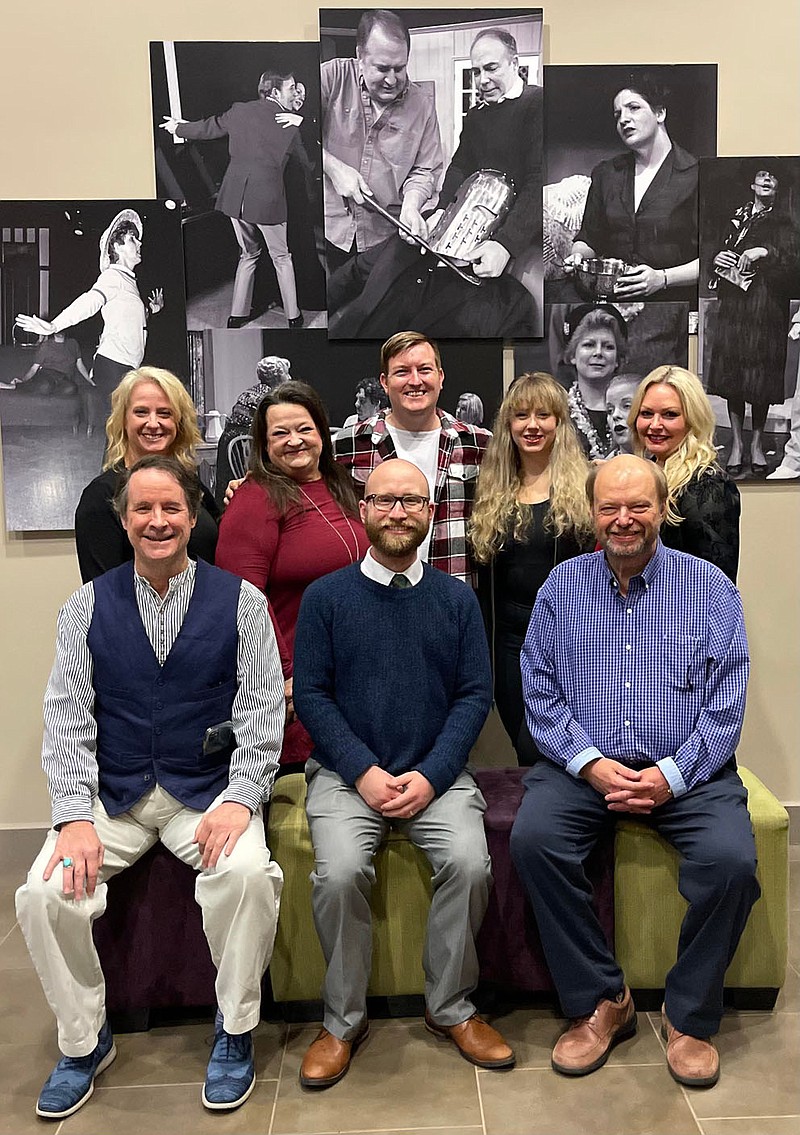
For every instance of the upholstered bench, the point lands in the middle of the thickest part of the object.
(509, 947)
(151, 942)
(155, 955)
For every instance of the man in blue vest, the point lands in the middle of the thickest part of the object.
(163, 721)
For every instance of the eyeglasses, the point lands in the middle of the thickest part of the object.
(385, 502)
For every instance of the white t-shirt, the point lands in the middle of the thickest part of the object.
(422, 450)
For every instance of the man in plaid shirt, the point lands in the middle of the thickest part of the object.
(449, 452)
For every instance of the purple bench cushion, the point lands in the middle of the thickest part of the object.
(508, 946)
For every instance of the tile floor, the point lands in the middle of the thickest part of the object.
(403, 1081)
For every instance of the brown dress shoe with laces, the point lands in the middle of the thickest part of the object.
(587, 1043)
(692, 1060)
(476, 1041)
(328, 1058)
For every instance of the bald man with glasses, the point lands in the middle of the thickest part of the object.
(392, 681)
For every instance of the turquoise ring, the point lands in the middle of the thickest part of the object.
(67, 861)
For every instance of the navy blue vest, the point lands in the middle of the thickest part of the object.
(151, 719)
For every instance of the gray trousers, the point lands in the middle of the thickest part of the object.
(249, 256)
(346, 833)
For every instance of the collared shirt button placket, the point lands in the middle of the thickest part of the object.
(628, 661)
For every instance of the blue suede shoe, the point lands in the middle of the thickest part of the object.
(71, 1082)
(231, 1075)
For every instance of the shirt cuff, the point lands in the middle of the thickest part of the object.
(71, 808)
(583, 758)
(669, 770)
(246, 793)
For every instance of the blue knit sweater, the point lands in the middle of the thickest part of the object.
(392, 677)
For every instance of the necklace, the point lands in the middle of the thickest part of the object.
(598, 449)
(333, 527)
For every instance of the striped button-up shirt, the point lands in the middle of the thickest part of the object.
(70, 730)
(657, 676)
(362, 447)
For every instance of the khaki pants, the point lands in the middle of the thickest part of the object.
(239, 898)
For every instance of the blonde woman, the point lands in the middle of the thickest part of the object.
(672, 422)
(596, 348)
(151, 412)
(530, 513)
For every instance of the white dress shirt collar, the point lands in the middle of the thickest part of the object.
(380, 574)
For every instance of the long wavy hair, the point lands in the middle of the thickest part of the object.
(283, 491)
(696, 455)
(497, 513)
(186, 439)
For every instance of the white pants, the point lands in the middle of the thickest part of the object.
(791, 454)
(249, 255)
(239, 898)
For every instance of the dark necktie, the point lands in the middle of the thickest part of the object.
(400, 580)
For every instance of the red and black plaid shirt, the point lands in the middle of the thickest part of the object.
(363, 446)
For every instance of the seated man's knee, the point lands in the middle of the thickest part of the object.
(344, 872)
(735, 868)
(532, 836)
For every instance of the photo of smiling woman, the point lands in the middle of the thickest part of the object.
(595, 349)
(293, 520)
(673, 423)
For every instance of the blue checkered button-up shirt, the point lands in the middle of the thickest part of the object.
(655, 676)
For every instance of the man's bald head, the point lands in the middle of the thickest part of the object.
(624, 467)
(398, 477)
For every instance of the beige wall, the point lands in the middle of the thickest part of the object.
(74, 88)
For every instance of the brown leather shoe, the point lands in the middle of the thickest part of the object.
(587, 1043)
(328, 1058)
(476, 1041)
(693, 1061)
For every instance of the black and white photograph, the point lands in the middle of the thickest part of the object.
(232, 371)
(236, 137)
(88, 291)
(600, 353)
(432, 124)
(622, 145)
(750, 274)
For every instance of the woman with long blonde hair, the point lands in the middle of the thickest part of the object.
(672, 422)
(151, 412)
(530, 513)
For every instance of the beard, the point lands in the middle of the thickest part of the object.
(646, 543)
(396, 544)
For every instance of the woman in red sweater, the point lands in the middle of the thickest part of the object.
(293, 520)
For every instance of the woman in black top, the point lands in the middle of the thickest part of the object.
(672, 422)
(755, 277)
(151, 412)
(530, 513)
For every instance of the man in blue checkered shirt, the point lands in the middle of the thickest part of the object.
(634, 673)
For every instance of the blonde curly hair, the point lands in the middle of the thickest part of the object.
(187, 437)
(696, 455)
(497, 513)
